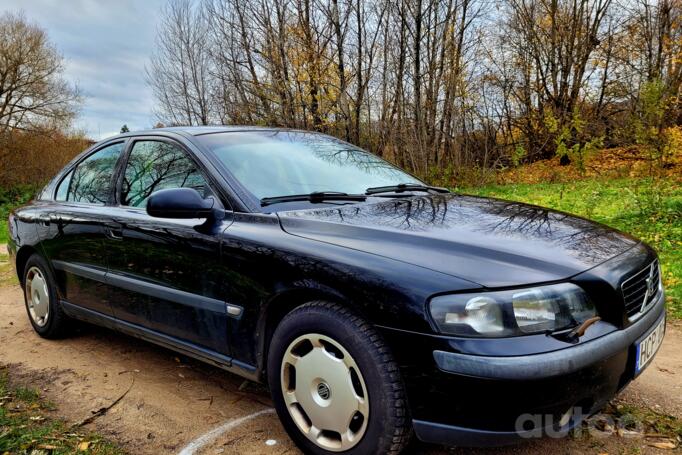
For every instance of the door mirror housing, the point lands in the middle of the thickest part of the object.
(183, 203)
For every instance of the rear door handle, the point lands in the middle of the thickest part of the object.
(45, 220)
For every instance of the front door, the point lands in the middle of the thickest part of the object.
(165, 274)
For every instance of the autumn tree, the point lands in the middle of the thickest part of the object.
(437, 86)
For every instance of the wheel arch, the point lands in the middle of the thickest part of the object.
(23, 254)
(282, 304)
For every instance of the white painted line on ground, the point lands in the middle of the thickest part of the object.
(209, 437)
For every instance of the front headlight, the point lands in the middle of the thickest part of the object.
(512, 313)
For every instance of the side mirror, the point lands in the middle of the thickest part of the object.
(179, 203)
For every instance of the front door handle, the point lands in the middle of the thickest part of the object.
(115, 234)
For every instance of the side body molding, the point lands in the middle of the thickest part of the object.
(150, 289)
(154, 290)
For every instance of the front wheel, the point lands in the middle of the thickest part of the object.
(335, 385)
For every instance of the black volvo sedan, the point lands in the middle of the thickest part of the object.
(374, 306)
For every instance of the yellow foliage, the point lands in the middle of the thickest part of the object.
(311, 65)
(610, 163)
(673, 145)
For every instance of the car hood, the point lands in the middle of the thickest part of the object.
(491, 242)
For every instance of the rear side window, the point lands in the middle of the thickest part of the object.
(63, 188)
(90, 182)
(154, 166)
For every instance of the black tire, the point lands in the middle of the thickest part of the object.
(388, 428)
(58, 323)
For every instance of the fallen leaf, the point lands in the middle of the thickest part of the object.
(623, 433)
(83, 446)
(128, 371)
(37, 418)
(47, 447)
(667, 445)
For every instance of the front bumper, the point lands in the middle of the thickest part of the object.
(468, 400)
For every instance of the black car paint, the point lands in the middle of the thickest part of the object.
(486, 241)
(168, 281)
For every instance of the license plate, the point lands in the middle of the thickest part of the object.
(647, 347)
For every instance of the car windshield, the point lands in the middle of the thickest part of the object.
(282, 163)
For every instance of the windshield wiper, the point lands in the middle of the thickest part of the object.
(403, 187)
(316, 196)
(321, 196)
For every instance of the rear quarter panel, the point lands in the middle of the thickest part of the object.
(26, 229)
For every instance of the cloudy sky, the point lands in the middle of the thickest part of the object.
(106, 45)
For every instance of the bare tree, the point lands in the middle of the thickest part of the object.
(180, 67)
(33, 93)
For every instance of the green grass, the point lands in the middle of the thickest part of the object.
(654, 422)
(26, 427)
(651, 211)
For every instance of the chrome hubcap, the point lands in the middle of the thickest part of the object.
(37, 296)
(324, 392)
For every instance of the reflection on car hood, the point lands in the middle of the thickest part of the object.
(491, 242)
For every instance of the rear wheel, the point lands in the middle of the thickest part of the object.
(335, 385)
(40, 295)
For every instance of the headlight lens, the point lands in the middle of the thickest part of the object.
(514, 312)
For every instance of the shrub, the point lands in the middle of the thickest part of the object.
(32, 158)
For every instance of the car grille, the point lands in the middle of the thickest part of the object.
(645, 284)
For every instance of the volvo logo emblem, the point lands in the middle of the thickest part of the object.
(651, 286)
(323, 391)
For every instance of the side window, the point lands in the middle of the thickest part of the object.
(91, 180)
(63, 188)
(154, 166)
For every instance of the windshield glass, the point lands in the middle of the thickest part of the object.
(282, 163)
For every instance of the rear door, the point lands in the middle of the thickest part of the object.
(76, 236)
(165, 274)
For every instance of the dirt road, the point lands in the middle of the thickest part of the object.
(171, 401)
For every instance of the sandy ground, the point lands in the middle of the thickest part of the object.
(172, 400)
